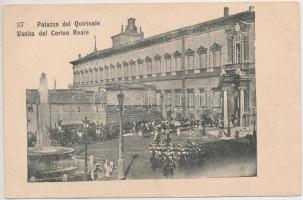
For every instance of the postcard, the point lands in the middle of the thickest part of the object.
(152, 100)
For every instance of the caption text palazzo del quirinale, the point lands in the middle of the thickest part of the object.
(79, 28)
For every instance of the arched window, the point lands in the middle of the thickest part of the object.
(86, 76)
(216, 52)
(101, 73)
(157, 59)
(96, 74)
(177, 56)
(107, 74)
(189, 59)
(178, 98)
(167, 67)
(113, 71)
(119, 70)
(140, 66)
(202, 52)
(149, 66)
(190, 98)
(238, 48)
(81, 76)
(131, 68)
(125, 67)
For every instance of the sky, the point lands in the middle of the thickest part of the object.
(34, 55)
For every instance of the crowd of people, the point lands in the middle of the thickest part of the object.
(162, 156)
(166, 155)
(75, 134)
(191, 154)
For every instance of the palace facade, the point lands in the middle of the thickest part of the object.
(210, 65)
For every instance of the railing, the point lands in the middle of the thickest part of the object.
(243, 66)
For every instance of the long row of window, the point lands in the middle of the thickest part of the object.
(192, 99)
(168, 64)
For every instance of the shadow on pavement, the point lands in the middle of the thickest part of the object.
(130, 164)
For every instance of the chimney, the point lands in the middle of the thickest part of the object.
(251, 8)
(226, 10)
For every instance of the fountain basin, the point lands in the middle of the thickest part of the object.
(50, 162)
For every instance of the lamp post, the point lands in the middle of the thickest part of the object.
(161, 101)
(85, 140)
(121, 176)
(204, 122)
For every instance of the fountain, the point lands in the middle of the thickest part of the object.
(46, 162)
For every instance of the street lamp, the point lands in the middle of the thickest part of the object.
(161, 101)
(121, 176)
(86, 142)
(204, 121)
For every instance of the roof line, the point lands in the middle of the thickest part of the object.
(163, 37)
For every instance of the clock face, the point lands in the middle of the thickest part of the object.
(237, 27)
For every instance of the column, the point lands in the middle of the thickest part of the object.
(74, 78)
(241, 89)
(225, 107)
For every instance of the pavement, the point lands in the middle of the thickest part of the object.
(243, 132)
(238, 156)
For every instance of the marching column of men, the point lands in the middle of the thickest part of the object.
(167, 156)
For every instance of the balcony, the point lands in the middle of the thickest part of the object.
(242, 66)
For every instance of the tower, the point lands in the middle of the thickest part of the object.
(128, 36)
